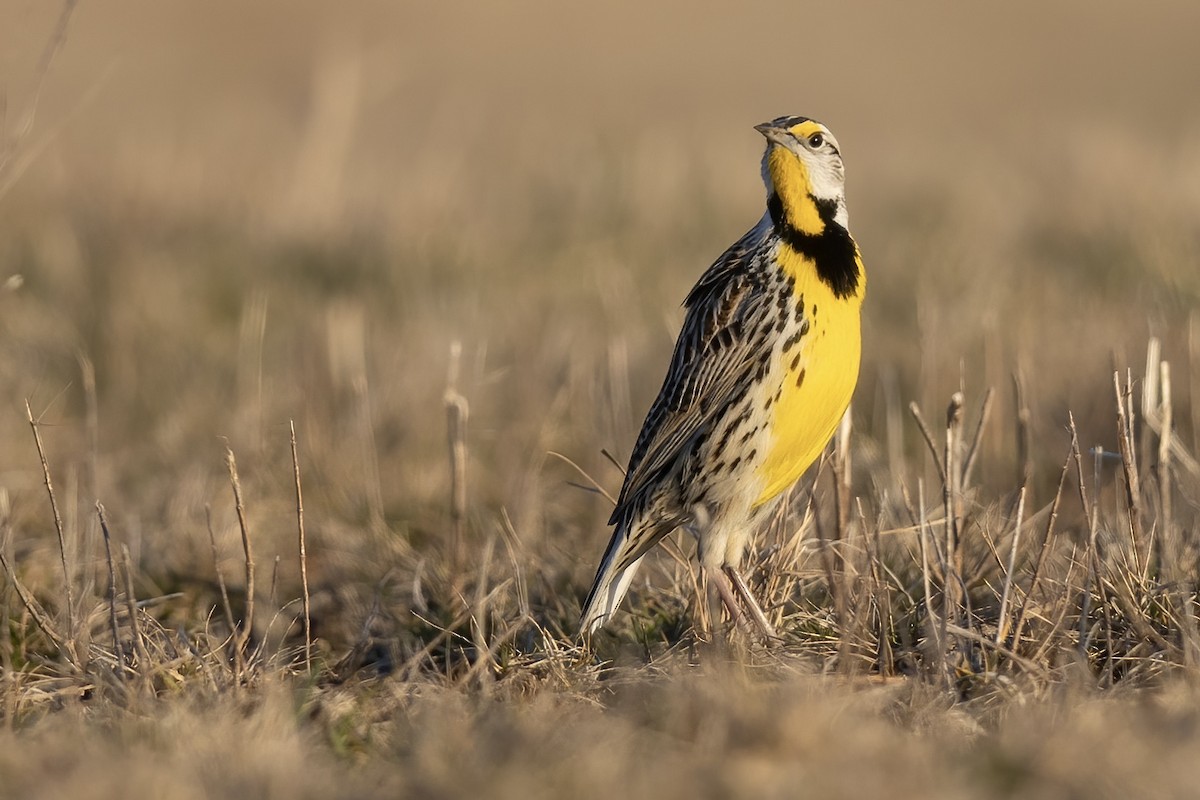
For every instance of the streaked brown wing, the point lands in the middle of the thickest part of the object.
(716, 354)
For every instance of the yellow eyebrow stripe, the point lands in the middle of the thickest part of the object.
(807, 128)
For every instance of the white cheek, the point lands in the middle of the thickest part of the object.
(825, 181)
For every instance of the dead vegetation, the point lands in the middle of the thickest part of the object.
(305, 467)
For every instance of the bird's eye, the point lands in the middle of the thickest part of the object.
(816, 140)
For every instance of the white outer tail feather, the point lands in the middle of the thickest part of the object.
(607, 592)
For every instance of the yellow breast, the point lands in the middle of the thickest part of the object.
(815, 378)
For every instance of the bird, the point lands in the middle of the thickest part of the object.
(760, 377)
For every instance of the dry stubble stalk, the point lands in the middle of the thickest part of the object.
(303, 551)
(954, 594)
(845, 568)
(1008, 571)
(112, 591)
(915, 410)
(1133, 489)
(985, 410)
(937, 628)
(212, 541)
(1043, 550)
(248, 623)
(836, 594)
(1023, 430)
(456, 436)
(1173, 545)
(1093, 564)
(882, 596)
(72, 653)
(1164, 455)
(139, 644)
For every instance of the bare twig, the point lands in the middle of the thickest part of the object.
(139, 644)
(939, 625)
(1093, 563)
(883, 599)
(915, 410)
(112, 591)
(58, 527)
(954, 594)
(842, 478)
(303, 551)
(1133, 489)
(272, 597)
(1042, 551)
(1152, 413)
(248, 622)
(985, 409)
(595, 484)
(1001, 625)
(479, 611)
(613, 460)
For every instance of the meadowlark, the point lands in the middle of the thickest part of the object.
(761, 376)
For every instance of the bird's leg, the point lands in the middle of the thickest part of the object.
(752, 608)
(720, 582)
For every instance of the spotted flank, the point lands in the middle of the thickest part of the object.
(761, 375)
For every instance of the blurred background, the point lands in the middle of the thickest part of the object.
(225, 216)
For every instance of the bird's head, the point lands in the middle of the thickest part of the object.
(802, 166)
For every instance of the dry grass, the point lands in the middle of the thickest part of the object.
(343, 283)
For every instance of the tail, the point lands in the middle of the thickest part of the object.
(635, 534)
(611, 583)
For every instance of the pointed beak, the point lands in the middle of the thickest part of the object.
(774, 133)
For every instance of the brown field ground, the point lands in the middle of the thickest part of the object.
(365, 218)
